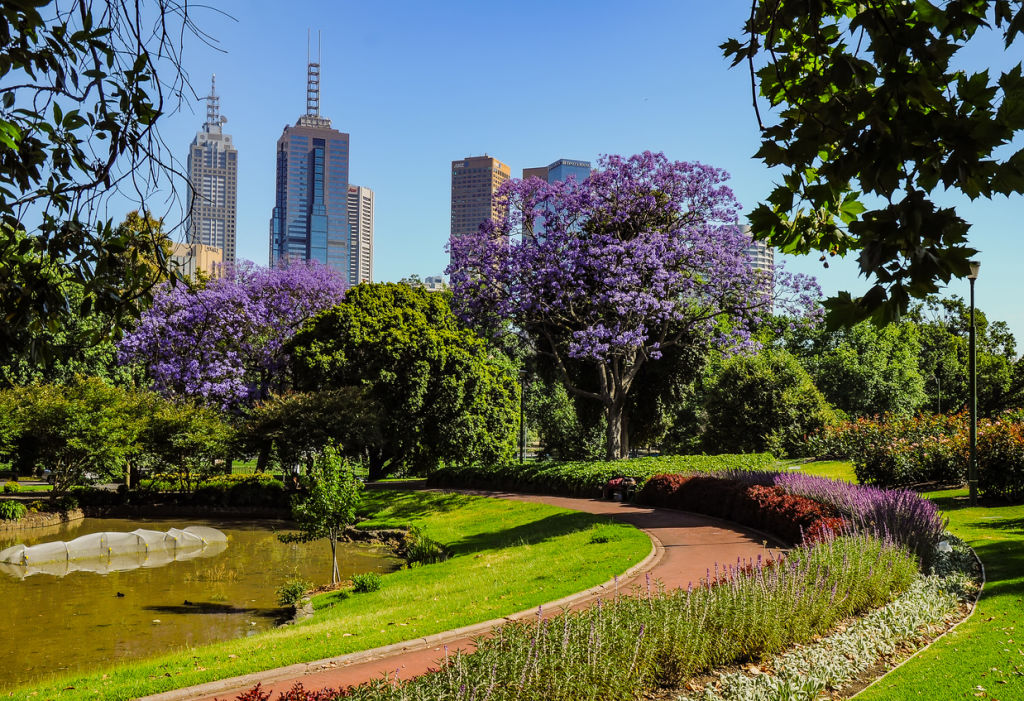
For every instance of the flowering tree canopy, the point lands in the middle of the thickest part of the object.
(641, 257)
(222, 344)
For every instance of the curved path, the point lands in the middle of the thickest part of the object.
(685, 547)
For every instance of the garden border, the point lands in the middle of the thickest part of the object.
(974, 607)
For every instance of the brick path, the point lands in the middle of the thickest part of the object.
(685, 546)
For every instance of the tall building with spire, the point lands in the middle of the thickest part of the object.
(310, 217)
(213, 182)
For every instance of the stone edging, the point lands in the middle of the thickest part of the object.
(41, 520)
(974, 607)
(427, 642)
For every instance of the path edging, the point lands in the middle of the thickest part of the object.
(430, 641)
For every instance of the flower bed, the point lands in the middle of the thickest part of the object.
(624, 647)
(589, 478)
(902, 451)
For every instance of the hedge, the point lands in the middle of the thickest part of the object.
(791, 517)
(588, 478)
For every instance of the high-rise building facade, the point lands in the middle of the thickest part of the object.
(360, 220)
(475, 181)
(213, 183)
(759, 255)
(560, 170)
(310, 217)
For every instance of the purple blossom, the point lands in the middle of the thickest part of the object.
(643, 255)
(223, 344)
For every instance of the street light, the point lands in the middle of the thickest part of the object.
(523, 375)
(972, 465)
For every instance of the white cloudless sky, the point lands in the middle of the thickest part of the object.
(418, 85)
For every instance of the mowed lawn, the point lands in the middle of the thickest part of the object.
(984, 657)
(507, 556)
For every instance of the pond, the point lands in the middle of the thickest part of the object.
(86, 620)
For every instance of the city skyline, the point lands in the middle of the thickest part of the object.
(413, 108)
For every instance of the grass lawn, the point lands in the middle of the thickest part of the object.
(27, 488)
(984, 657)
(507, 556)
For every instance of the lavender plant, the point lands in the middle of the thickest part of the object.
(899, 514)
(620, 648)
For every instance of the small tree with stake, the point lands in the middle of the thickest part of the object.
(329, 504)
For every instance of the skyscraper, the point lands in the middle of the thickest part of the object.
(475, 181)
(560, 170)
(360, 219)
(213, 182)
(310, 216)
(555, 172)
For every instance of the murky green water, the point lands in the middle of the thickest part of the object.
(80, 621)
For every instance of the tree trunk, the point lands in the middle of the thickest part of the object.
(613, 446)
(376, 471)
(335, 575)
(262, 459)
(624, 440)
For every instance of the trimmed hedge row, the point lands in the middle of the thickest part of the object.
(219, 490)
(587, 479)
(769, 508)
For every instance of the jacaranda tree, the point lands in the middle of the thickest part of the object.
(222, 344)
(641, 257)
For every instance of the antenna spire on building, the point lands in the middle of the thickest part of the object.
(313, 79)
(213, 104)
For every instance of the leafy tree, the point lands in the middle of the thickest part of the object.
(871, 119)
(434, 391)
(223, 344)
(764, 402)
(944, 326)
(864, 370)
(329, 504)
(639, 258)
(185, 440)
(295, 426)
(81, 97)
(83, 431)
(77, 342)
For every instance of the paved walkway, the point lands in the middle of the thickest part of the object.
(685, 546)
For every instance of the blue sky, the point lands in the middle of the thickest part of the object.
(418, 85)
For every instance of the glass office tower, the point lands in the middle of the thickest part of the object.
(310, 216)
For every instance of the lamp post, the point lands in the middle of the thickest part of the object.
(523, 374)
(972, 465)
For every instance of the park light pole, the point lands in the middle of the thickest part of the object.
(523, 374)
(972, 465)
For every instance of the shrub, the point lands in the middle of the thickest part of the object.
(1001, 460)
(366, 582)
(588, 478)
(95, 496)
(764, 402)
(768, 508)
(292, 591)
(12, 488)
(421, 550)
(12, 510)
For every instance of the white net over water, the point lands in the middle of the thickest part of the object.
(113, 551)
